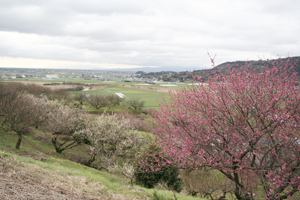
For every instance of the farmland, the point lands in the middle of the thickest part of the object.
(99, 83)
(151, 95)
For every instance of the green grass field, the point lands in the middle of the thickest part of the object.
(152, 98)
(113, 81)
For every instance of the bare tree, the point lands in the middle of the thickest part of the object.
(114, 99)
(19, 112)
(81, 98)
(59, 94)
(135, 104)
(98, 101)
(34, 89)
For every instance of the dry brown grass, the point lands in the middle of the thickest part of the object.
(20, 180)
(54, 87)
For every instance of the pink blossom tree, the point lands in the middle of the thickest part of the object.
(245, 124)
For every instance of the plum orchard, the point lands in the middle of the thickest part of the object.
(245, 124)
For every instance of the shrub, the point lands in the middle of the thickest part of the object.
(168, 174)
(137, 123)
(77, 88)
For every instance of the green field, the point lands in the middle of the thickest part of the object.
(152, 98)
(90, 81)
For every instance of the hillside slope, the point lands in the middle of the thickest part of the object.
(27, 178)
(36, 171)
(260, 63)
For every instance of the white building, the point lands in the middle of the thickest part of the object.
(51, 76)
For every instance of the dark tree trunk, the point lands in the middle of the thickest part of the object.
(56, 145)
(58, 150)
(60, 147)
(91, 160)
(243, 197)
(19, 142)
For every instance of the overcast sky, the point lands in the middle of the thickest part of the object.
(145, 33)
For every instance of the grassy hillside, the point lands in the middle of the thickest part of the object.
(259, 64)
(37, 172)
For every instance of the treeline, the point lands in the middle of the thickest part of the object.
(71, 83)
(135, 106)
(168, 76)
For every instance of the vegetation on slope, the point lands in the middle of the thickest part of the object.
(37, 172)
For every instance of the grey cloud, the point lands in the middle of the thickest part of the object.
(141, 32)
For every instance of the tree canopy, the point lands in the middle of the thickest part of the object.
(245, 124)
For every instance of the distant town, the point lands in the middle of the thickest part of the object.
(27, 74)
